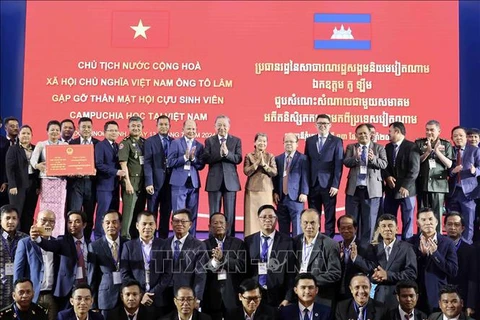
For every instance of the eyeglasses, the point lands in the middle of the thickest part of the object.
(176, 221)
(51, 221)
(322, 124)
(267, 218)
(250, 299)
(185, 299)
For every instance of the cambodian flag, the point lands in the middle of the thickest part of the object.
(342, 31)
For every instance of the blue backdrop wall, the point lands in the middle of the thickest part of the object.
(12, 45)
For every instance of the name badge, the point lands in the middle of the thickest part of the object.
(222, 274)
(117, 277)
(141, 159)
(186, 166)
(432, 163)
(363, 169)
(147, 276)
(284, 173)
(79, 274)
(9, 269)
(262, 268)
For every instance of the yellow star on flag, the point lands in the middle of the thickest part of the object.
(140, 30)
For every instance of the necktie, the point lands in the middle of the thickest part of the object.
(189, 145)
(395, 150)
(115, 147)
(115, 251)
(165, 146)
(360, 313)
(131, 316)
(305, 314)
(262, 279)
(346, 253)
(363, 161)
(387, 252)
(459, 162)
(408, 316)
(12, 142)
(222, 140)
(320, 144)
(85, 141)
(176, 251)
(80, 259)
(285, 176)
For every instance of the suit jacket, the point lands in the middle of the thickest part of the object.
(106, 163)
(101, 266)
(71, 181)
(263, 312)
(234, 262)
(433, 179)
(69, 314)
(406, 169)
(466, 278)
(469, 182)
(119, 313)
(394, 314)
(375, 310)
(280, 275)
(195, 316)
(292, 312)
(434, 270)
(176, 161)
(4, 145)
(132, 265)
(401, 265)
(297, 177)
(324, 264)
(259, 179)
(29, 264)
(187, 271)
(155, 165)
(64, 246)
(325, 166)
(439, 316)
(374, 169)
(222, 169)
(16, 166)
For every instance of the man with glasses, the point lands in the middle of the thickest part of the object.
(81, 301)
(185, 306)
(252, 308)
(271, 259)
(38, 265)
(325, 154)
(290, 186)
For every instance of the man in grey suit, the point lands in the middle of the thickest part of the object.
(364, 192)
(451, 305)
(223, 152)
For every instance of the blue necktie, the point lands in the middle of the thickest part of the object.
(305, 314)
(176, 250)
(320, 144)
(165, 146)
(262, 279)
(395, 151)
(363, 161)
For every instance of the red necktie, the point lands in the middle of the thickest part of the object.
(81, 260)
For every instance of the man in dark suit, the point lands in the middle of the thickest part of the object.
(403, 166)
(225, 270)
(436, 156)
(271, 259)
(464, 188)
(290, 187)
(185, 306)
(250, 296)
(436, 260)
(388, 262)
(451, 304)
(104, 273)
(11, 138)
(361, 306)
(82, 301)
(318, 255)
(108, 174)
(347, 227)
(306, 290)
(131, 308)
(39, 266)
(407, 296)
(73, 251)
(185, 261)
(142, 260)
(364, 189)
(325, 154)
(466, 278)
(185, 159)
(157, 175)
(81, 192)
(223, 152)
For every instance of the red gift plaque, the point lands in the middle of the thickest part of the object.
(68, 159)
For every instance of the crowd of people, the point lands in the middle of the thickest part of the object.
(283, 267)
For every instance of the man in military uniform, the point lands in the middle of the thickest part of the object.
(130, 156)
(436, 156)
(23, 308)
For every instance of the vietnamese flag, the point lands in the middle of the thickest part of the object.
(140, 29)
